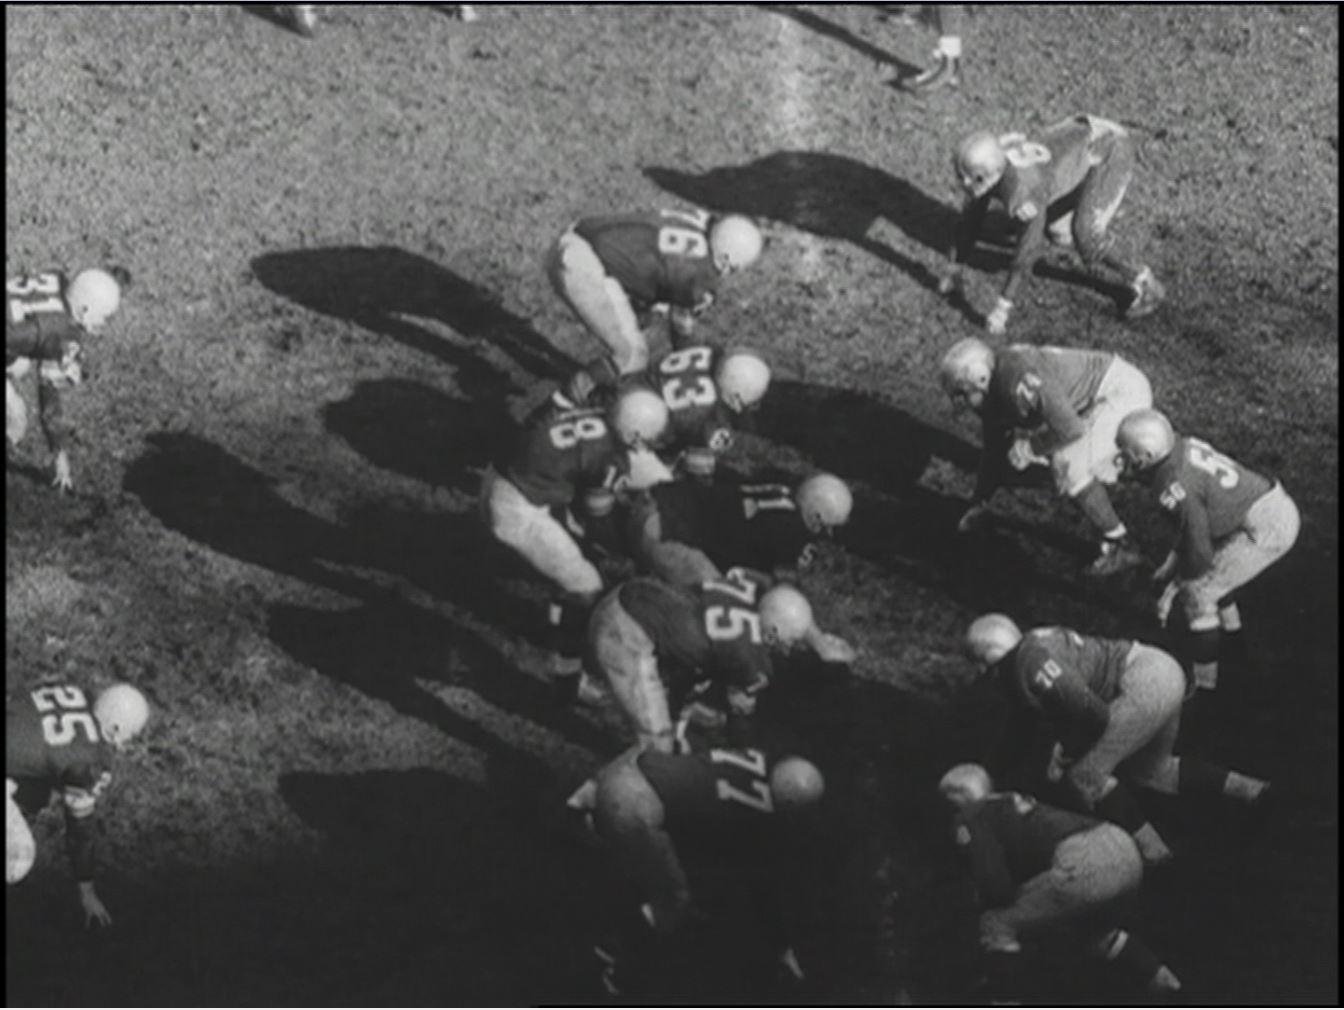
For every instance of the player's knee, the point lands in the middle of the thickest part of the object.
(16, 415)
(20, 848)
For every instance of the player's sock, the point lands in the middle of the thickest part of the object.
(1245, 788)
(1197, 778)
(1096, 505)
(1229, 616)
(1120, 808)
(949, 46)
(1133, 961)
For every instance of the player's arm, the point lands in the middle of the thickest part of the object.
(988, 864)
(57, 428)
(1029, 246)
(79, 805)
(993, 461)
(1062, 423)
(1071, 706)
(1194, 550)
(967, 231)
(600, 374)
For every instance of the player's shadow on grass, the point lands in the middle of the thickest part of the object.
(393, 292)
(820, 25)
(828, 195)
(421, 432)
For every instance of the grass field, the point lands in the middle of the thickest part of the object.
(350, 790)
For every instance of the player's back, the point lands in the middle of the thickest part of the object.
(1046, 653)
(1027, 831)
(557, 452)
(717, 802)
(52, 740)
(1021, 369)
(657, 257)
(1225, 488)
(697, 416)
(38, 324)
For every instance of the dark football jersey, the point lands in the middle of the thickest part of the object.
(52, 742)
(1051, 660)
(560, 452)
(37, 319)
(661, 257)
(750, 525)
(1050, 386)
(712, 633)
(1208, 495)
(1051, 167)
(697, 417)
(1009, 838)
(724, 789)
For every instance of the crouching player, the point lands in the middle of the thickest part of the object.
(1114, 709)
(1038, 871)
(677, 824)
(1232, 524)
(55, 742)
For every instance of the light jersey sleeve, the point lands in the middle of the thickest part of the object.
(661, 257)
(558, 453)
(1071, 679)
(1207, 495)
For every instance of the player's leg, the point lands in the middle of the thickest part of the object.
(16, 414)
(624, 654)
(581, 280)
(1100, 196)
(945, 70)
(533, 532)
(303, 17)
(20, 849)
(1132, 962)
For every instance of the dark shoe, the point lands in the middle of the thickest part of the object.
(944, 73)
(1116, 556)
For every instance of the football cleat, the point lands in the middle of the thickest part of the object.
(795, 782)
(735, 243)
(93, 296)
(991, 637)
(1116, 556)
(742, 379)
(965, 372)
(1148, 295)
(980, 163)
(639, 417)
(786, 616)
(1145, 438)
(944, 73)
(122, 712)
(825, 502)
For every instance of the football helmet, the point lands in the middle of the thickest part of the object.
(786, 616)
(93, 296)
(795, 782)
(1145, 438)
(122, 712)
(964, 784)
(742, 378)
(825, 502)
(735, 243)
(991, 637)
(965, 372)
(639, 417)
(980, 162)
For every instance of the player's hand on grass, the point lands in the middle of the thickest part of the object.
(95, 912)
(61, 479)
(997, 320)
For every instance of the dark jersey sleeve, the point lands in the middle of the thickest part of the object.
(985, 857)
(1061, 690)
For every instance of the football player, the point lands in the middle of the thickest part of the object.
(661, 648)
(1055, 406)
(669, 816)
(1065, 187)
(1232, 524)
(564, 459)
(303, 17)
(55, 742)
(1039, 870)
(688, 532)
(611, 270)
(47, 324)
(1114, 709)
(945, 71)
(706, 391)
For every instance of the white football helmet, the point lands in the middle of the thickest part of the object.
(93, 296)
(991, 637)
(980, 163)
(742, 378)
(825, 502)
(1145, 438)
(795, 782)
(786, 616)
(963, 784)
(735, 243)
(122, 712)
(639, 417)
(965, 372)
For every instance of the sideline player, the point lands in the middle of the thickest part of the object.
(1056, 406)
(945, 70)
(1040, 871)
(611, 270)
(1064, 186)
(675, 819)
(1232, 524)
(48, 323)
(55, 742)
(1114, 709)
